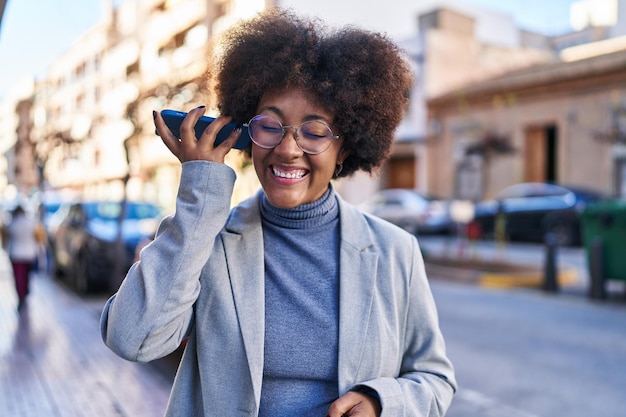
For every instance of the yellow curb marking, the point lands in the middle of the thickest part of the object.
(524, 279)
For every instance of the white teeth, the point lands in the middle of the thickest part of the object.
(290, 175)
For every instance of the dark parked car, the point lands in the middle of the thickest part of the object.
(85, 244)
(413, 211)
(532, 210)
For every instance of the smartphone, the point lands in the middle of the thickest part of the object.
(173, 119)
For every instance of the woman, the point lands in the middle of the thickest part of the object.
(23, 243)
(293, 303)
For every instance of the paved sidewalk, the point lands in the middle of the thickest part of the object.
(53, 362)
(569, 261)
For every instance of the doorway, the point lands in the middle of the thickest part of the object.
(541, 154)
(401, 172)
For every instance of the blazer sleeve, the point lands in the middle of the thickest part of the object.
(152, 311)
(426, 382)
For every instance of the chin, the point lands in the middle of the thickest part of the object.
(284, 200)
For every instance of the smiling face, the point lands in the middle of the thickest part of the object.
(289, 176)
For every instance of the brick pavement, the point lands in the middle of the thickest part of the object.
(53, 362)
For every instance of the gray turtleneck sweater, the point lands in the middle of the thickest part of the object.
(301, 307)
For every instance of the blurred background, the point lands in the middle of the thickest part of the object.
(514, 145)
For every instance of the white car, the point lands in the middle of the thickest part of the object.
(413, 211)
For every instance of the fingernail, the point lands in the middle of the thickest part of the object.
(201, 106)
(154, 114)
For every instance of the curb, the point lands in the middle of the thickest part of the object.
(493, 274)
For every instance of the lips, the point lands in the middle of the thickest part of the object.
(289, 173)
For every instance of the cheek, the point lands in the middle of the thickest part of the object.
(333, 155)
(324, 165)
(257, 155)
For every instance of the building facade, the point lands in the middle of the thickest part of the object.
(452, 50)
(94, 128)
(562, 122)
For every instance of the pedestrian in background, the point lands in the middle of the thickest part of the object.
(23, 236)
(293, 303)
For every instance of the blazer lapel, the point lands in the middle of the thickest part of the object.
(243, 246)
(356, 292)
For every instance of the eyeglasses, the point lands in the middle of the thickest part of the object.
(312, 137)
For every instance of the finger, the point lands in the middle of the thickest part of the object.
(166, 134)
(209, 135)
(340, 407)
(354, 404)
(230, 141)
(187, 127)
(210, 132)
(218, 154)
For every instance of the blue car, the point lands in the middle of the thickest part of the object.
(90, 251)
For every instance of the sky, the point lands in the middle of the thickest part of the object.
(34, 32)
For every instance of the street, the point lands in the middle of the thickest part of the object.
(523, 353)
(518, 352)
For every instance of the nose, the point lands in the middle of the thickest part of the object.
(289, 144)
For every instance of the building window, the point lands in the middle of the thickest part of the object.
(96, 62)
(81, 70)
(132, 69)
(80, 101)
(179, 38)
(176, 42)
(159, 7)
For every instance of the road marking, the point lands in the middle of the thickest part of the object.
(524, 279)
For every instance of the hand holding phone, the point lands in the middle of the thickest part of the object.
(173, 119)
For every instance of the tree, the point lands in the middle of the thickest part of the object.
(488, 147)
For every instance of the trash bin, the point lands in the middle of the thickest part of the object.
(604, 238)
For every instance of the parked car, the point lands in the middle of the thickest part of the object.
(534, 209)
(413, 211)
(48, 209)
(53, 212)
(85, 244)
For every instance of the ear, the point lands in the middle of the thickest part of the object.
(343, 154)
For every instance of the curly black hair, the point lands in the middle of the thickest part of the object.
(361, 77)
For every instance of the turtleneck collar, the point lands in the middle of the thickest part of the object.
(308, 215)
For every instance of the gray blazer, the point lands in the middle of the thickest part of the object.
(202, 278)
